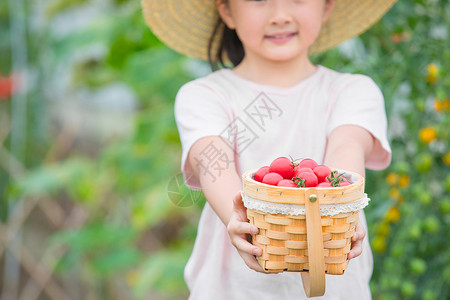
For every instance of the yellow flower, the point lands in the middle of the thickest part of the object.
(403, 181)
(379, 244)
(432, 75)
(394, 193)
(383, 229)
(432, 69)
(392, 178)
(427, 135)
(446, 159)
(431, 78)
(393, 214)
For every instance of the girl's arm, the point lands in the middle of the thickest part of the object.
(221, 184)
(218, 177)
(348, 148)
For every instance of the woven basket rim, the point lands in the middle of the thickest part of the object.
(293, 195)
(249, 174)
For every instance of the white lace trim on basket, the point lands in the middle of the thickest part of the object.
(299, 209)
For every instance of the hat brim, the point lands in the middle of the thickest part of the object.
(186, 26)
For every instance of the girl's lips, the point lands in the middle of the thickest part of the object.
(281, 38)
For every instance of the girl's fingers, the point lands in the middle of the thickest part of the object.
(239, 208)
(244, 246)
(360, 233)
(356, 249)
(357, 239)
(238, 205)
(251, 262)
(238, 227)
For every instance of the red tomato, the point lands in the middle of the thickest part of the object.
(308, 163)
(301, 170)
(272, 178)
(324, 184)
(310, 179)
(282, 166)
(287, 183)
(322, 172)
(344, 183)
(259, 175)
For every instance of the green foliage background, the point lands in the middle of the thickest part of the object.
(136, 233)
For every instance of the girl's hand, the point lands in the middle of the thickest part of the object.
(239, 230)
(357, 239)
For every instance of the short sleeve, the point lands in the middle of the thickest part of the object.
(200, 111)
(360, 102)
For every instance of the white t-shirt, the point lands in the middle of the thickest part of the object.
(264, 122)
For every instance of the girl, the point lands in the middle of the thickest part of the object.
(272, 102)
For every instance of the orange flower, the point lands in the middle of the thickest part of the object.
(404, 181)
(445, 104)
(427, 135)
(441, 106)
(392, 178)
(437, 105)
(397, 38)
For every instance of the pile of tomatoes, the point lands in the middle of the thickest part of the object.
(306, 173)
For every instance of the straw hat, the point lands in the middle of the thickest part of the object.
(186, 25)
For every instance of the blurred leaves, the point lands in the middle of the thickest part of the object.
(57, 6)
(48, 179)
(103, 248)
(162, 270)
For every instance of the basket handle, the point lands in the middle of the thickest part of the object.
(314, 280)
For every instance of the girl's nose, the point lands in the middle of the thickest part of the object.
(280, 12)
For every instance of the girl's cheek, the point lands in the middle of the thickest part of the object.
(311, 26)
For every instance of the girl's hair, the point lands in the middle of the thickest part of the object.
(229, 44)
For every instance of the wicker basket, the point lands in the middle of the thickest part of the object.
(309, 243)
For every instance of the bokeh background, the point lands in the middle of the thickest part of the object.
(92, 203)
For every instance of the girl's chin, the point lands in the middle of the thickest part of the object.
(281, 57)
